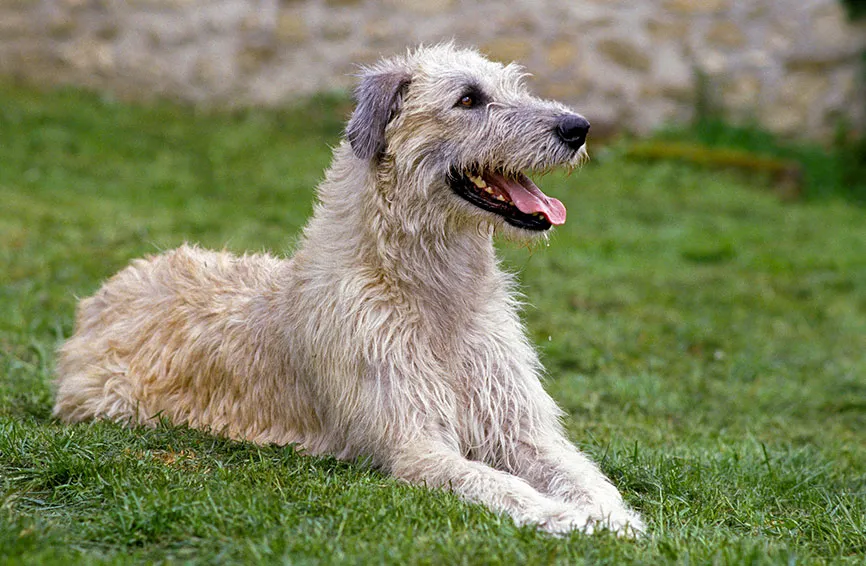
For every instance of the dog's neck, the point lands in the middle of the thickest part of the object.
(351, 236)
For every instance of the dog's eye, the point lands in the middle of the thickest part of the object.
(467, 101)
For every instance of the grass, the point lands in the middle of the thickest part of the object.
(835, 172)
(707, 342)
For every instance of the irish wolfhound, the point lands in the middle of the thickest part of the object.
(392, 333)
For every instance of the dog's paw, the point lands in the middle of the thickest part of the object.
(621, 522)
(565, 521)
(608, 511)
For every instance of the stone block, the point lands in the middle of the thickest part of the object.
(252, 57)
(671, 68)
(782, 119)
(14, 24)
(597, 23)
(167, 30)
(74, 4)
(830, 31)
(693, 7)
(625, 53)
(757, 11)
(801, 72)
(507, 50)
(214, 74)
(779, 38)
(517, 23)
(158, 4)
(107, 30)
(676, 29)
(426, 7)
(759, 59)
(16, 5)
(258, 22)
(61, 25)
(712, 62)
(684, 94)
(562, 90)
(726, 34)
(337, 31)
(89, 55)
(742, 93)
(679, 93)
(562, 54)
(803, 89)
(847, 83)
(797, 103)
(291, 27)
(378, 32)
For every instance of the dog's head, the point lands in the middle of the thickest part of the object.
(450, 130)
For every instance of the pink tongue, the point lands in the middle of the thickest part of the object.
(527, 197)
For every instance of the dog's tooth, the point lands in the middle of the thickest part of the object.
(477, 181)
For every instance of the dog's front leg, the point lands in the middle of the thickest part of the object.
(433, 463)
(556, 468)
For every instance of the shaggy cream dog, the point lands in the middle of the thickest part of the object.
(392, 333)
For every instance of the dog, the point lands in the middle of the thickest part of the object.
(392, 333)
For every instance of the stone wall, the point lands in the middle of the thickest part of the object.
(793, 65)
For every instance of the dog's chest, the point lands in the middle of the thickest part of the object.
(489, 402)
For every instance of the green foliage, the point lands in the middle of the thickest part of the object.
(856, 8)
(838, 171)
(705, 340)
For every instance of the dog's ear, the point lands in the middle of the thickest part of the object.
(379, 97)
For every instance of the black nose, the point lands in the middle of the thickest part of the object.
(572, 129)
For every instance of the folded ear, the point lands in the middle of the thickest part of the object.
(379, 98)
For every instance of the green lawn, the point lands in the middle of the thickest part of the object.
(707, 342)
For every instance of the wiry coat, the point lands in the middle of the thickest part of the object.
(392, 333)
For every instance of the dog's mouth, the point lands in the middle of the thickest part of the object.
(514, 197)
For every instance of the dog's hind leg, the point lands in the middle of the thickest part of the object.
(96, 393)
